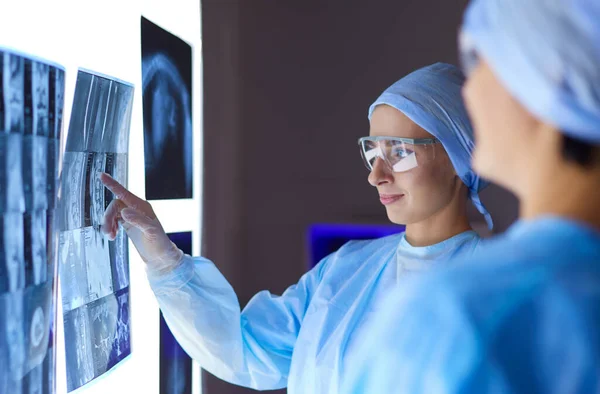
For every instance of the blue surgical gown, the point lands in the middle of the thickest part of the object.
(304, 338)
(522, 315)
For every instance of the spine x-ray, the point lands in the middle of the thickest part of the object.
(94, 272)
(31, 105)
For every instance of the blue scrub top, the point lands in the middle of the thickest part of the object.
(522, 315)
(305, 338)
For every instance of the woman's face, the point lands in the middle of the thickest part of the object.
(417, 194)
(503, 129)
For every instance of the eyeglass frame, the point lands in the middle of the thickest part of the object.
(413, 141)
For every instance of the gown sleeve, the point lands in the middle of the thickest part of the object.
(251, 348)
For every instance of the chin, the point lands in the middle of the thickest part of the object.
(397, 218)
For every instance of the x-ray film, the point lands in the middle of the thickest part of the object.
(13, 336)
(167, 105)
(100, 337)
(35, 256)
(53, 154)
(119, 265)
(121, 346)
(12, 198)
(78, 348)
(13, 91)
(36, 316)
(35, 174)
(175, 363)
(94, 271)
(98, 264)
(94, 201)
(73, 274)
(72, 192)
(31, 105)
(55, 115)
(12, 252)
(101, 115)
(39, 77)
(51, 244)
(25, 337)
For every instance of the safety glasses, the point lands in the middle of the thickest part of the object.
(399, 154)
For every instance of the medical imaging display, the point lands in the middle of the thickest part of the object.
(175, 363)
(94, 272)
(167, 105)
(31, 107)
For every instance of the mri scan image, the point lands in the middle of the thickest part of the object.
(94, 271)
(13, 91)
(31, 105)
(175, 363)
(167, 105)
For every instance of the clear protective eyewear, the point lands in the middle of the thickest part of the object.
(399, 154)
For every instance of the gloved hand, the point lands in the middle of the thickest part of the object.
(142, 226)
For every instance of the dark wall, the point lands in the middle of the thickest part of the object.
(287, 86)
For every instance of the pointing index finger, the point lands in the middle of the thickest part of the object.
(120, 191)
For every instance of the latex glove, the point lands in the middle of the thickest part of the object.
(142, 226)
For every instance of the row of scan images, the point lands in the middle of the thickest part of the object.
(50, 231)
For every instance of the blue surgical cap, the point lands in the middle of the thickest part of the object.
(431, 97)
(547, 54)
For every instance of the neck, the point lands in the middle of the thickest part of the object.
(446, 223)
(569, 192)
(435, 230)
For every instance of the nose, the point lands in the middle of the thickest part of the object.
(380, 174)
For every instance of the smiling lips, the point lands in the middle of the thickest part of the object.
(387, 199)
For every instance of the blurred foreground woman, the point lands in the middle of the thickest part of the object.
(522, 315)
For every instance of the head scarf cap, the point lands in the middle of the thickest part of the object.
(431, 97)
(547, 54)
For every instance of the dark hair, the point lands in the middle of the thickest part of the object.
(578, 151)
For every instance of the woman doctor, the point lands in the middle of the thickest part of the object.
(418, 153)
